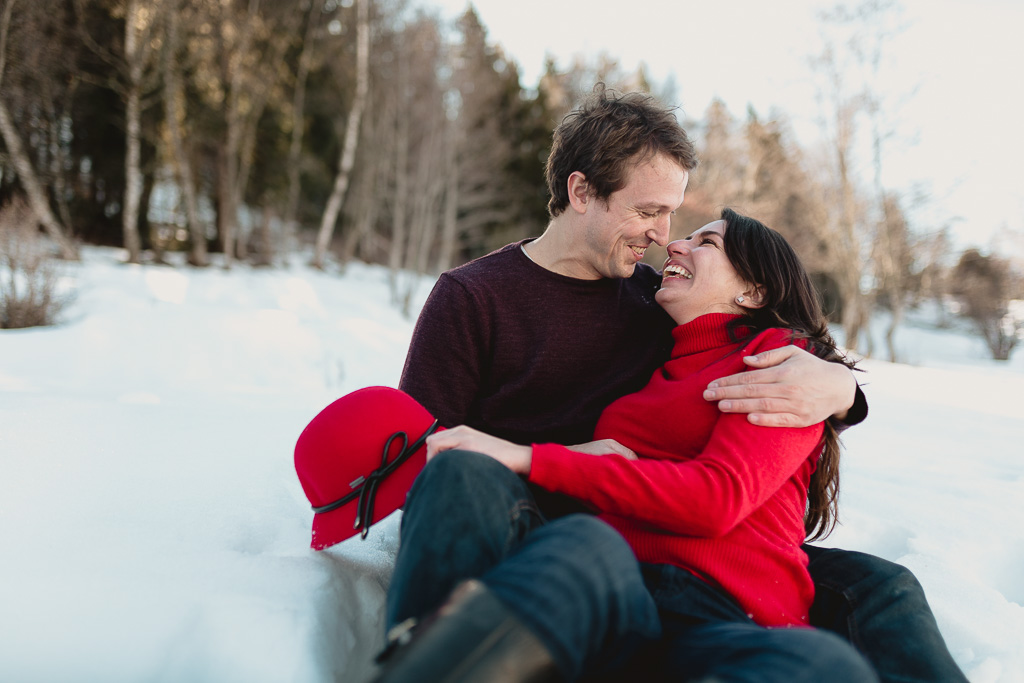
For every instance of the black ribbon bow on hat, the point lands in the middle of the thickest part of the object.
(366, 490)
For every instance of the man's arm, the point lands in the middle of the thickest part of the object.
(442, 368)
(791, 388)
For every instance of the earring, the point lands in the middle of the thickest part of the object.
(739, 299)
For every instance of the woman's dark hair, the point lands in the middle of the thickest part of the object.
(606, 136)
(763, 257)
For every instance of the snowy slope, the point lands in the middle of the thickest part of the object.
(152, 528)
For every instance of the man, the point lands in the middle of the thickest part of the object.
(530, 343)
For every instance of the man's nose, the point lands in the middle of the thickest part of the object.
(660, 232)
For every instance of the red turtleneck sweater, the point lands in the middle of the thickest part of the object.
(711, 492)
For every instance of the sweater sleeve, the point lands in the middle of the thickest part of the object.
(443, 366)
(740, 467)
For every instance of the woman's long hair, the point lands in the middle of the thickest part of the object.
(762, 256)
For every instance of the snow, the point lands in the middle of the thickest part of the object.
(152, 527)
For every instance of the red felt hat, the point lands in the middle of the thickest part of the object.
(357, 459)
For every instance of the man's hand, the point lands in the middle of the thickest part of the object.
(513, 456)
(604, 447)
(794, 389)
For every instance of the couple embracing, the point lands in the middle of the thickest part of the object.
(622, 466)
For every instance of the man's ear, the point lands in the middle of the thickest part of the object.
(579, 192)
(753, 297)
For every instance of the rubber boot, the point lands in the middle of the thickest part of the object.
(472, 638)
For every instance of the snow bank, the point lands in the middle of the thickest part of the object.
(153, 528)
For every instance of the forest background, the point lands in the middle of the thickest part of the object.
(374, 130)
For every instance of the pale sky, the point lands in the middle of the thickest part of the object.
(960, 135)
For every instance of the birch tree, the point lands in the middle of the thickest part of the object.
(139, 22)
(297, 116)
(351, 139)
(892, 253)
(28, 30)
(842, 102)
(175, 117)
(133, 75)
(419, 157)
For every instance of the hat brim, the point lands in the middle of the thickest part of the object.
(338, 525)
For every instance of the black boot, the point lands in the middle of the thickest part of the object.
(472, 638)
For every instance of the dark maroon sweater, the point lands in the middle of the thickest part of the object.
(515, 350)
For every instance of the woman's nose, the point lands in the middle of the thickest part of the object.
(678, 248)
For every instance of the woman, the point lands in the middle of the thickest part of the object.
(715, 507)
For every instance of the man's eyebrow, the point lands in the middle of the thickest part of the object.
(652, 207)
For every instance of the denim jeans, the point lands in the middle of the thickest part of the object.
(880, 607)
(708, 637)
(574, 582)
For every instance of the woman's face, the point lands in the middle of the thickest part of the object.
(698, 277)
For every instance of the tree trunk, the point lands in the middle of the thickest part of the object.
(229, 200)
(298, 122)
(348, 151)
(896, 304)
(173, 98)
(33, 188)
(451, 202)
(376, 175)
(264, 243)
(133, 142)
(399, 224)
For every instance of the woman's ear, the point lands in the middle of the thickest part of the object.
(752, 297)
(579, 192)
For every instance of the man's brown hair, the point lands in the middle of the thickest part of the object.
(606, 136)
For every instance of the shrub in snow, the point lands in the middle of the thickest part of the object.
(984, 286)
(30, 295)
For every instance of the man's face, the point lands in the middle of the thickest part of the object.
(619, 231)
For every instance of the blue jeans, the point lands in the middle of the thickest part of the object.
(707, 636)
(469, 517)
(574, 582)
(880, 607)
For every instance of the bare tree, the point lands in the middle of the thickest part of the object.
(420, 154)
(983, 285)
(133, 75)
(298, 125)
(175, 118)
(849, 67)
(842, 103)
(237, 59)
(893, 258)
(31, 16)
(242, 63)
(892, 243)
(139, 22)
(348, 150)
(30, 293)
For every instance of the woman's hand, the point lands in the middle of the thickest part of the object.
(513, 456)
(604, 447)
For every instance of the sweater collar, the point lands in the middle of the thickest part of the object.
(703, 333)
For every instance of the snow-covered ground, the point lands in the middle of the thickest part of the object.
(152, 527)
